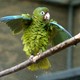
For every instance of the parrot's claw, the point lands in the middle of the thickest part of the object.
(38, 53)
(31, 57)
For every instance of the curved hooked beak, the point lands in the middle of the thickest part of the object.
(47, 16)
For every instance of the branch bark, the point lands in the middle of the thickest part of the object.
(72, 41)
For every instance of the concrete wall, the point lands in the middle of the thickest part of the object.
(76, 56)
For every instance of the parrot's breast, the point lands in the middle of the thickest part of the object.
(35, 39)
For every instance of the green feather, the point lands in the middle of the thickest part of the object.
(38, 33)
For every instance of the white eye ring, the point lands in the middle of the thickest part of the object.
(42, 12)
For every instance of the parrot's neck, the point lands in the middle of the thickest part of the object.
(39, 21)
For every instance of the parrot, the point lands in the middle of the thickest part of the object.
(39, 32)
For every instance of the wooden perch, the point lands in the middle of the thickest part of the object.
(72, 41)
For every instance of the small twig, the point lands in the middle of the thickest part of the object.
(72, 41)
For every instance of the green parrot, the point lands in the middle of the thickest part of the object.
(39, 32)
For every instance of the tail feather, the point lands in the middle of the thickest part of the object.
(42, 64)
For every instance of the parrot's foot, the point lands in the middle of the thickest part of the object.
(34, 58)
(38, 53)
(31, 57)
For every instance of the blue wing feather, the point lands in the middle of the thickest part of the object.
(59, 33)
(60, 27)
(9, 18)
(16, 22)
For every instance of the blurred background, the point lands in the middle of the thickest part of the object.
(65, 65)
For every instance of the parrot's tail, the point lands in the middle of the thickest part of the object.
(42, 64)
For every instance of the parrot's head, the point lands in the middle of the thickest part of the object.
(41, 13)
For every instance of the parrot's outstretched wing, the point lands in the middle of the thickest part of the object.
(16, 22)
(61, 34)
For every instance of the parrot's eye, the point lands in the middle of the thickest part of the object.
(42, 13)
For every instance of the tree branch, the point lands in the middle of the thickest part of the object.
(72, 41)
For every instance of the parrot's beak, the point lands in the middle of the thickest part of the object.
(47, 16)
